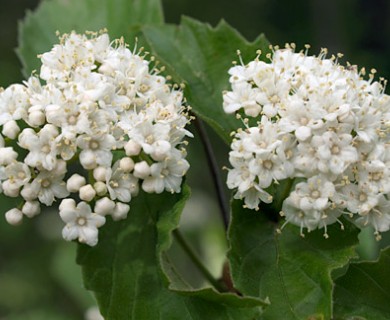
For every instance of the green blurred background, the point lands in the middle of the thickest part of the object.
(38, 276)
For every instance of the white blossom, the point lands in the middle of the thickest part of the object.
(166, 175)
(49, 185)
(94, 121)
(81, 223)
(321, 141)
(120, 185)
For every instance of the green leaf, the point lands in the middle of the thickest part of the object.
(200, 56)
(120, 17)
(364, 291)
(293, 272)
(125, 269)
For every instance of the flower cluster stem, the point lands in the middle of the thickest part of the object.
(197, 262)
(214, 170)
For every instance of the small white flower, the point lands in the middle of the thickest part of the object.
(81, 223)
(315, 194)
(42, 147)
(49, 185)
(253, 196)
(14, 102)
(334, 152)
(378, 216)
(120, 185)
(17, 174)
(96, 150)
(166, 175)
(242, 96)
(293, 212)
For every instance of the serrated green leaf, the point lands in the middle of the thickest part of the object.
(120, 17)
(364, 291)
(293, 272)
(200, 56)
(124, 269)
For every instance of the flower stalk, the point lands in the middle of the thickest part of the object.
(214, 170)
(197, 262)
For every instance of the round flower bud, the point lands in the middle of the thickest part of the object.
(120, 212)
(36, 118)
(11, 129)
(68, 204)
(99, 173)
(132, 148)
(67, 209)
(14, 216)
(141, 170)
(75, 182)
(104, 206)
(28, 193)
(10, 189)
(31, 208)
(126, 164)
(88, 159)
(148, 186)
(7, 155)
(100, 188)
(87, 193)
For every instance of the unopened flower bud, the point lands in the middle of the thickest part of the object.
(75, 182)
(7, 155)
(10, 189)
(87, 193)
(100, 188)
(126, 164)
(88, 160)
(36, 118)
(141, 170)
(99, 173)
(11, 129)
(132, 148)
(104, 206)
(120, 212)
(14, 216)
(148, 187)
(31, 208)
(68, 204)
(28, 193)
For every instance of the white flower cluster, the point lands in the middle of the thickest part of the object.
(320, 127)
(101, 113)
